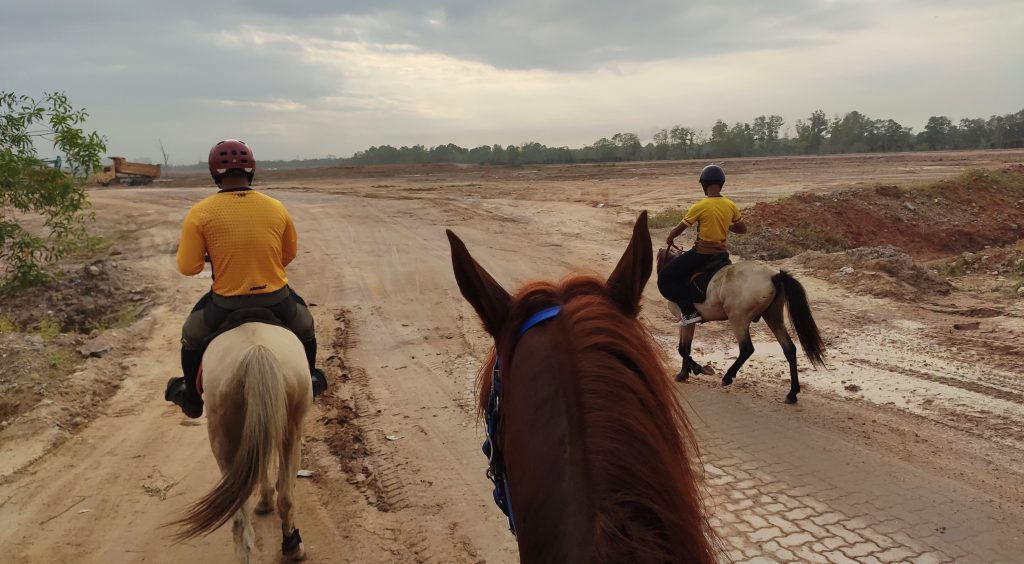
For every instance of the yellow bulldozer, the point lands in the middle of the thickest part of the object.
(123, 172)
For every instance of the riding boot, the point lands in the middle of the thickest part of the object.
(189, 400)
(318, 377)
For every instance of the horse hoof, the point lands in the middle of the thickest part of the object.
(682, 376)
(297, 555)
(726, 381)
(790, 399)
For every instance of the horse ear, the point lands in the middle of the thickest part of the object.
(487, 297)
(627, 281)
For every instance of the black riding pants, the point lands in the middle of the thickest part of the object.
(674, 279)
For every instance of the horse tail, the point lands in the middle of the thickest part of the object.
(263, 431)
(801, 318)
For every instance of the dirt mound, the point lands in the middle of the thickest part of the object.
(996, 261)
(1003, 268)
(93, 296)
(43, 330)
(879, 271)
(948, 217)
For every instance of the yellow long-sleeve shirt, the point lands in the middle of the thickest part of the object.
(250, 239)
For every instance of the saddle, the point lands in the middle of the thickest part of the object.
(241, 317)
(224, 320)
(227, 320)
(699, 281)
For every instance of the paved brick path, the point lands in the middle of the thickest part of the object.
(781, 492)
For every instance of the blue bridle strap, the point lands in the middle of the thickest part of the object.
(536, 319)
(496, 467)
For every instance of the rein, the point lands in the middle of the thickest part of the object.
(492, 416)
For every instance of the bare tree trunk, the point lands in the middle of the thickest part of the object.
(167, 169)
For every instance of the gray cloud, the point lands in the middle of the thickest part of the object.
(318, 76)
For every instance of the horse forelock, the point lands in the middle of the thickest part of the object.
(633, 425)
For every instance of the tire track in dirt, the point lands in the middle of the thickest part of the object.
(967, 385)
(356, 438)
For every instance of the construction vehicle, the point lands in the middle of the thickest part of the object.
(124, 172)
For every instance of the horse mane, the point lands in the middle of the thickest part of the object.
(639, 444)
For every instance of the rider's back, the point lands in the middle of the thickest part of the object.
(714, 216)
(250, 239)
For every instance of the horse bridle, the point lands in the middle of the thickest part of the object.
(492, 416)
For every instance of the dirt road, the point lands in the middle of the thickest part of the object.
(922, 462)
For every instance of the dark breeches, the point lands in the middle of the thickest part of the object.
(675, 277)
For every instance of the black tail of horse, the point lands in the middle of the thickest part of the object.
(801, 318)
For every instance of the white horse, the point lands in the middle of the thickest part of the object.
(743, 293)
(256, 386)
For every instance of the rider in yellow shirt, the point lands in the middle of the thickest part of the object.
(715, 216)
(249, 239)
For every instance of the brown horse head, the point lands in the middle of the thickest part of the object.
(597, 450)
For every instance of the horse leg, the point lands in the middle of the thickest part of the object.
(776, 323)
(741, 328)
(291, 544)
(689, 365)
(245, 537)
(266, 503)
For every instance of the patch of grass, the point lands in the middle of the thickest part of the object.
(669, 217)
(59, 358)
(820, 239)
(952, 269)
(48, 329)
(1017, 289)
(120, 319)
(7, 325)
(95, 243)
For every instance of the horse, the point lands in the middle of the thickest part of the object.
(256, 386)
(743, 293)
(590, 452)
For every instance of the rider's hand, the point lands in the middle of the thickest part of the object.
(671, 241)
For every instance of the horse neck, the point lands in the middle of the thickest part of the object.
(593, 437)
(549, 485)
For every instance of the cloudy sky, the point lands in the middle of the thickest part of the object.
(318, 77)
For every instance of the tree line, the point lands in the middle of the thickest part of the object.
(853, 132)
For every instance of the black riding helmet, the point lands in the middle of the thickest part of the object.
(712, 174)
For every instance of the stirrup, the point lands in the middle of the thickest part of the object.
(319, 381)
(175, 386)
(177, 393)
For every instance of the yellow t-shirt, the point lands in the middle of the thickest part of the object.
(250, 239)
(713, 216)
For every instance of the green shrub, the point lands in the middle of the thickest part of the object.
(665, 218)
(31, 186)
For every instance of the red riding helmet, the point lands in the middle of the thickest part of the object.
(231, 154)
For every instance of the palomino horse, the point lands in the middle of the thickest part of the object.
(257, 390)
(590, 451)
(742, 293)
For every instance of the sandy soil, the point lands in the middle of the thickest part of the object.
(395, 443)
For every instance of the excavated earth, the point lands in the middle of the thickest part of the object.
(906, 447)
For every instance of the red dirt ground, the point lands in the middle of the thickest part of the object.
(968, 213)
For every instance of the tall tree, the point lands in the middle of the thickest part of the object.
(936, 134)
(661, 145)
(811, 134)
